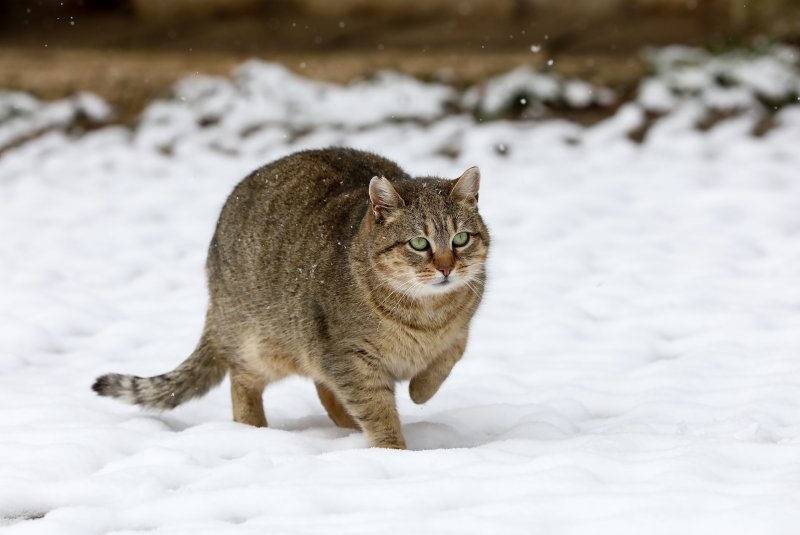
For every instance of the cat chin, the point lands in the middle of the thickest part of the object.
(439, 287)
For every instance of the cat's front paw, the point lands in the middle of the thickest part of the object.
(421, 390)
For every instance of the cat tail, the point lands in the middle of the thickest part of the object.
(204, 369)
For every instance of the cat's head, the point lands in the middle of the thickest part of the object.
(427, 236)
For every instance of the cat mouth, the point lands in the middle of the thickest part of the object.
(444, 284)
(439, 286)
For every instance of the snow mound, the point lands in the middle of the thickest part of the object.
(23, 116)
(524, 87)
(242, 113)
(734, 80)
(263, 93)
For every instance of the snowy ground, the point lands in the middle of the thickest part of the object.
(635, 367)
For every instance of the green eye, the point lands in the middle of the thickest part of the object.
(460, 239)
(420, 243)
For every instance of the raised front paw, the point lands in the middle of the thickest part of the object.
(422, 389)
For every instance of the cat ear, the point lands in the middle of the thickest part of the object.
(465, 188)
(384, 197)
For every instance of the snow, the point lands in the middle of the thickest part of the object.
(527, 87)
(733, 80)
(633, 369)
(22, 116)
(263, 93)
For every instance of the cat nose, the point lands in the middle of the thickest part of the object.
(444, 262)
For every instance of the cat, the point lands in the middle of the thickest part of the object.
(336, 265)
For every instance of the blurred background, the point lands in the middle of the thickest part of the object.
(132, 51)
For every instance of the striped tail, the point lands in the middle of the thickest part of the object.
(204, 369)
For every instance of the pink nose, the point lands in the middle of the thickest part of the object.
(446, 270)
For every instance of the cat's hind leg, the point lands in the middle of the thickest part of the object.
(246, 395)
(255, 365)
(334, 408)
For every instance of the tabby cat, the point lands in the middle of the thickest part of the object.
(335, 265)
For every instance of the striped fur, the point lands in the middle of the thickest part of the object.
(195, 376)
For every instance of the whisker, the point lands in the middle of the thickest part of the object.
(471, 287)
(414, 284)
(398, 291)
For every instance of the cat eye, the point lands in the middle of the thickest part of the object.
(419, 243)
(460, 239)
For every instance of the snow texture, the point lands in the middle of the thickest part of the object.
(634, 368)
